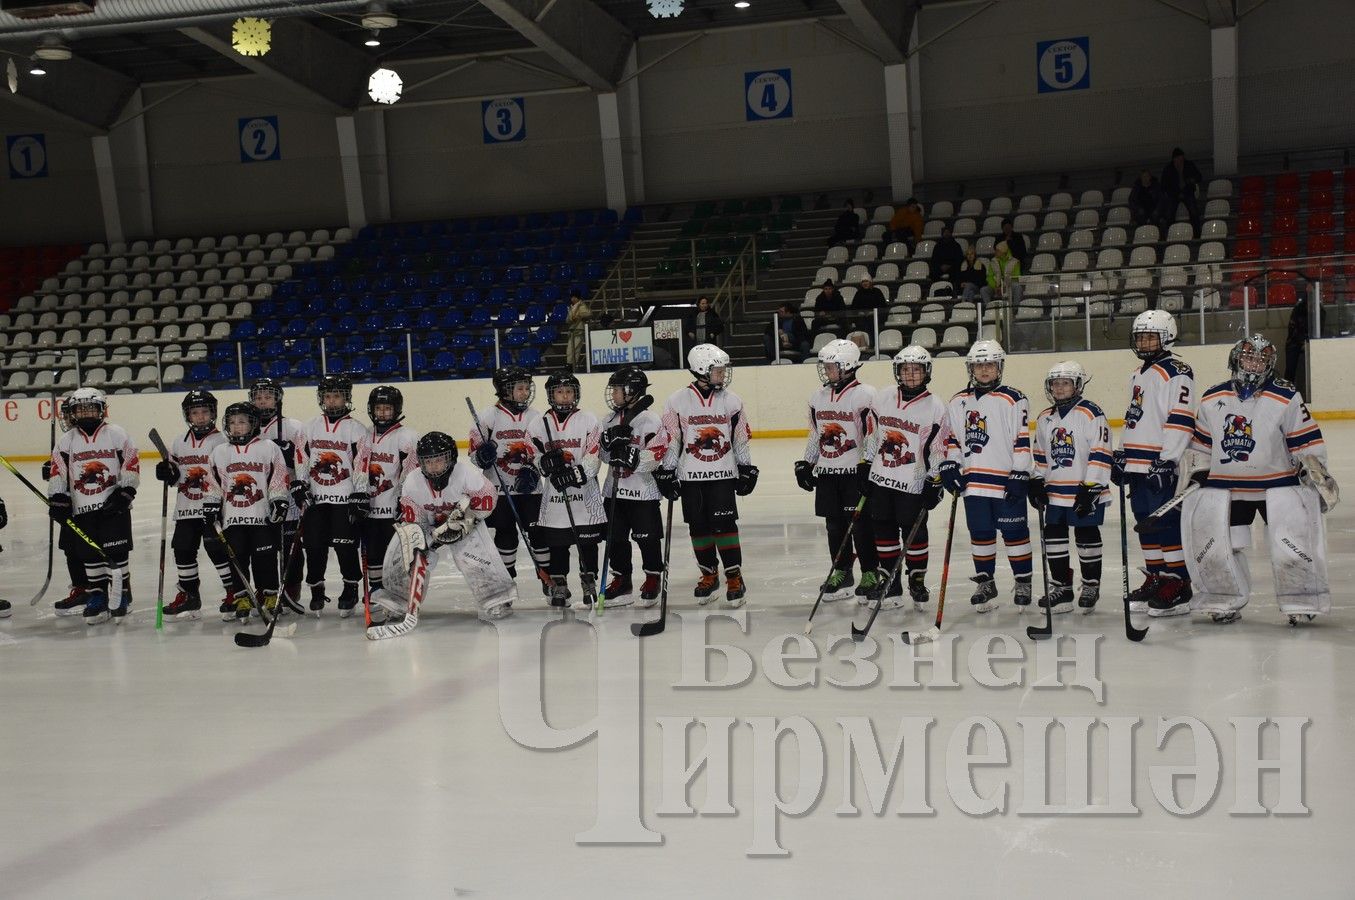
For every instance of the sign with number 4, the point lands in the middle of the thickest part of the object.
(767, 95)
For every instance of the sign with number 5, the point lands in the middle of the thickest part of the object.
(1063, 65)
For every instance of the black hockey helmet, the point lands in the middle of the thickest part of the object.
(559, 380)
(228, 421)
(65, 414)
(389, 395)
(199, 399)
(436, 451)
(506, 379)
(633, 384)
(268, 387)
(335, 384)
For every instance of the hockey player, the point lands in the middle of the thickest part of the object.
(988, 459)
(247, 497)
(507, 456)
(1266, 455)
(331, 486)
(836, 468)
(1072, 469)
(288, 433)
(187, 471)
(391, 458)
(95, 472)
(709, 465)
(1157, 429)
(906, 452)
(570, 460)
(633, 444)
(442, 504)
(74, 602)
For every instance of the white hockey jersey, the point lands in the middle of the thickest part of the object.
(193, 456)
(709, 434)
(577, 436)
(1253, 443)
(509, 430)
(246, 479)
(909, 439)
(647, 433)
(294, 433)
(389, 461)
(1160, 417)
(333, 459)
(840, 424)
(990, 438)
(428, 507)
(89, 467)
(1072, 449)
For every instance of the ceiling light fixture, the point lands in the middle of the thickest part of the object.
(51, 49)
(665, 9)
(37, 69)
(742, 4)
(385, 86)
(374, 40)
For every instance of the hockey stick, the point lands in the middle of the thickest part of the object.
(51, 525)
(646, 629)
(1153, 519)
(569, 511)
(246, 639)
(837, 557)
(640, 406)
(164, 530)
(366, 591)
(859, 634)
(1040, 632)
(75, 529)
(1134, 634)
(418, 583)
(289, 553)
(934, 633)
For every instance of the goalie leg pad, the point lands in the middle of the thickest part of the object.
(1219, 581)
(486, 576)
(1298, 550)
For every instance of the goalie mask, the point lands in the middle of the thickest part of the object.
(241, 423)
(913, 381)
(562, 393)
(983, 353)
(199, 402)
(626, 385)
(514, 388)
(1252, 363)
(266, 395)
(1153, 321)
(838, 362)
(89, 409)
(437, 455)
(335, 407)
(1069, 371)
(710, 367)
(385, 395)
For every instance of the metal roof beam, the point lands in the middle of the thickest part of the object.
(578, 34)
(885, 26)
(76, 92)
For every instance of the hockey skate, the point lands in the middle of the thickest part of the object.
(242, 609)
(649, 590)
(1233, 615)
(348, 600)
(589, 586)
(893, 594)
(1059, 598)
(186, 607)
(985, 593)
(1299, 618)
(119, 612)
(1086, 600)
(227, 608)
(870, 588)
(734, 588)
(706, 586)
(96, 607)
(73, 604)
(1172, 598)
(271, 604)
(496, 611)
(839, 584)
(559, 591)
(1138, 599)
(318, 599)
(917, 589)
(619, 591)
(1021, 596)
(5, 609)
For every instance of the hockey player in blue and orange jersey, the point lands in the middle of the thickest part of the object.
(1072, 469)
(1157, 429)
(988, 459)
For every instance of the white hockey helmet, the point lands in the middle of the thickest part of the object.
(985, 351)
(85, 397)
(703, 359)
(914, 355)
(1153, 321)
(1072, 371)
(1252, 362)
(845, 355)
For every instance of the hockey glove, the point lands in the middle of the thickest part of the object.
(211, 512)
(47, 470)
(617, 433)
(804, 475)
(451, 531)
(359, 506)
(568, 477)
(120, 500)
(952, 477)
(931, 493)
(628, 459)
(166, 471)
(59, 507)
(301, 493)
(1037, 495)
(1087, 497)
(486, 454)
(4, 515)
(747, 481)
(1117, 464)
(1018, 484)
(277, 510)
(863, 476)
(527, 482)
(1162, 476)
(666, 481)
(553, 463)
(618, 449)
(1199, 476)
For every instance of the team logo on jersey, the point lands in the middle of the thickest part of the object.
(1135, 411)
(975, 431)
(328, 469)
(244, 492)
(1061, 449)
(894, 450)
(833, 441)
(194, 483)
(1237, 444)
(376, 477)
(710, 445)
(519, 454)
(95, 478)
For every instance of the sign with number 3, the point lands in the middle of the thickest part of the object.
(505, 120)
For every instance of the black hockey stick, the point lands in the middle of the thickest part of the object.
(74, 529)
(640, 406)
(1134, 634)
(837, 557)
(934, 633)
(51, 525)
(646, 629)
(245, 638)
(569, 511)
(164, 529)
(1153, 520)
(1041, 632)
(859, 634)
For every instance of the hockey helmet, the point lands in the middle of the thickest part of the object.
(335, 384)
(269, 388)
(843, 354)
(913, 355)
(437, 455)
(65, 417)
(985, 351)
(88, 408)
(1070, 370)
(562, 380)
(241, 423)
(199, 399)
(631, 381)
(703, 360)
(506, 381)
(1252, 363)
(386, 395)
(1153, 321)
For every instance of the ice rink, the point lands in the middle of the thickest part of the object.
(142, 764)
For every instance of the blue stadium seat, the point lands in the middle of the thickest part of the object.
(346, 324)
(387, 366)
(428, 319)
(459, 341)
(534, 314)
(385, 341)
(226, 374)
(291, 308)
(529, 357)
(399, 321)
(359, 368)
(498, 296)
(594, 272)
(546, 335)
(524, 294)
(245, 329)
(271, 328)
(306, 370)
(222, 352)
(472, 361)
(453, 319)
(516, 337)
(253, 370)
(274, 348)
(479, 317)
(199, 372)
(550, 293)
(433, 340)
(374, 322)
(507, 317)
(318, 328)
(336, 363)
(557, 313)
(279, 369)
(302, 347)
(470, 298)
(444, 361)
(265, 310)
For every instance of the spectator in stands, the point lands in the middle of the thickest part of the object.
(847, 229)
(791, 334)
(705, 325)
(576, 327)
(906, 223)
(946, 257)
(1143, 199)
(1296, 343)
(1016, 244)
(1003, 270)
(868, 297)
(972, 278)
(827, 305)
(1180, 184)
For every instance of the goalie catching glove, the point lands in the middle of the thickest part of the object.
(1313, 472)
(456, 527)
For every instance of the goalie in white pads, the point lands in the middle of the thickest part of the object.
(1265, 455)
(443, 505)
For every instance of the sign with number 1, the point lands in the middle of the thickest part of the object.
(27, 155)
(767, 95)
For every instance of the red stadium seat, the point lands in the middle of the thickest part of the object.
(1287, 182)
(1251, 204)
(1284, 247)
(1286, 203)
(1248, 226)
(1285, 224)
(1348, 243)
(1320, 245)
(1255, 184)
(1321, 223)
(1322, 180)
(1247, 250)
(1283, 294)
(1349, 179)
(1349, 219)
(1320, 200)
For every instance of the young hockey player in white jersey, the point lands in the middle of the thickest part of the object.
(566, 440)
(836, 468)
(288, 433)
(74, 602)
(709, 464)
(633, 444)
(246, 497)
(443, 504)
(187, 471)
(988, 459)
(331, 487)
(1072, 469)
(507, 455)
(390, 459)
(906, 452)
(1156, 433)
(1266, 455)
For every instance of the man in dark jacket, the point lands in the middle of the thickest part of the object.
(847, 229)
(1143, 199)
(868, 297)
(790, 333)
(827, 305)
(946, 257)
(1180, 184)
(1016, 244)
